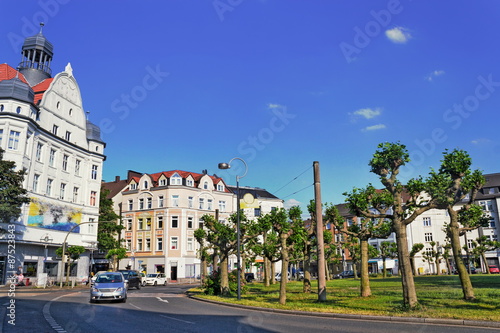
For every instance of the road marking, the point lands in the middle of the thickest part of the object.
(135, 306)
(184, 321)
(161, 300)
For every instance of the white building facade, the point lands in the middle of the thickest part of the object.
(44, 130)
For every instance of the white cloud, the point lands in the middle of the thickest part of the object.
(290, 203)
(367, 113)
(398, 35)
(434, 74)
(274, 106)
(480, 141)
(374, 128)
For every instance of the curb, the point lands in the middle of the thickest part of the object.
(433, 321)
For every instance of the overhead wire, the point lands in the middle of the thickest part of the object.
(293, 180)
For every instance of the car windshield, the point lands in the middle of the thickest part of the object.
(125, 274)
(152, 275)
(109, 278)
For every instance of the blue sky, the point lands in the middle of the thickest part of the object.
(188, 84)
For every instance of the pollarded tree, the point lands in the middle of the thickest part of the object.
(387, 250)
(289, 227)
(73, 253)
(455, 183)
(12, 193)
(482, 245)
(362, 229)
(415, 249)
(400, 204)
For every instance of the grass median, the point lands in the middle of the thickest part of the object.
(439, 297)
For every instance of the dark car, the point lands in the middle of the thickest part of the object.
(133, 278)
(344, 275)
(472, 270)
(249, 277)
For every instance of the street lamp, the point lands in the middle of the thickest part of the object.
(45, 239)
(238, 250)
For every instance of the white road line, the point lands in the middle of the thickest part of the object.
(162, 300)
(135, 306)
(184, 321)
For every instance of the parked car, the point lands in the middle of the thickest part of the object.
(472, 270)
(155, 279)
(278, 276)
(344, 275)
(494, 269)
(109, 286)
(143, 279)
(249, 277)
(133, 278)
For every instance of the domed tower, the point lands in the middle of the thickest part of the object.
(37, 54)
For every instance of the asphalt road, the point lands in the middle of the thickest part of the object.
(167, 309)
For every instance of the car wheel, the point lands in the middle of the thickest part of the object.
(144, 284)
(165, 283)
(155, 283)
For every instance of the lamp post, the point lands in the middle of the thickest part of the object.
(238, 250)
(45, 239)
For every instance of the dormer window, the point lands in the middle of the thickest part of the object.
(145, 185)
(163, 182)
(220, 187)
(133, 186)
(176, 180)
(205, 185)
(189, 182)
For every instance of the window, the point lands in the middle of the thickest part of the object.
(38, 155)
(54, 129)
(200, 224)
(189, 182)
(141, 203)
(94, 172)
(190, 244)
(150, 203)
(350, 222)
(140, 224)
(175, 201)
(133, 186)
(93, 198)
(77, 167)
(190, 202)
(427, 221)
(256, 211)
(174, 243)
(130, 204)
(139, 244)
(205, 185)
(14, 140)
(428, 236)
(129, 224)
(128, 245)
(62, 189)
(48, 190)
(209, 204)
(36, 178)
(1, 135)
(175, 221)
(470, 243)
(190, 222)
(145, 185)
(161, 201)
(486, 205)
(160, 222)
(222, 206)
(220, 187)
(159, 243)
(148, 244)
(65, 162)
(68, 136)
(202, 203)
(163, 182)
(75, 194)
(176, 180)
(148, 223)
(52, 157)
(491, 222)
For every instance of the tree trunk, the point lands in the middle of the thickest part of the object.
(203, 269)
(454, 234)
(307, 266)
(267, 272)
(485, 263)
(436, 263)
(365, 280)
(284, 271)
(412, 263)
(327, 271)
(410, 299)
(384, 268)
(243, 266)
(224, 277)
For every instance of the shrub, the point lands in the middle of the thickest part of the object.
(212, 285)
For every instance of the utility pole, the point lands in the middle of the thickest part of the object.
(319, 235)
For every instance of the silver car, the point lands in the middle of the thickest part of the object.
(109, 286)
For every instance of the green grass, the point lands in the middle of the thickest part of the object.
(439, 297)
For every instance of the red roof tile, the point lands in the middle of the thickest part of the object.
(7, 73)
(41, 88)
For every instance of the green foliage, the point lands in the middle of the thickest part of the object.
(12, 193)
(107, 232)
(117, 254)
(212, 284)
(72, 251)
(388, 157)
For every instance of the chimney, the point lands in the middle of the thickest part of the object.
(117, 179)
